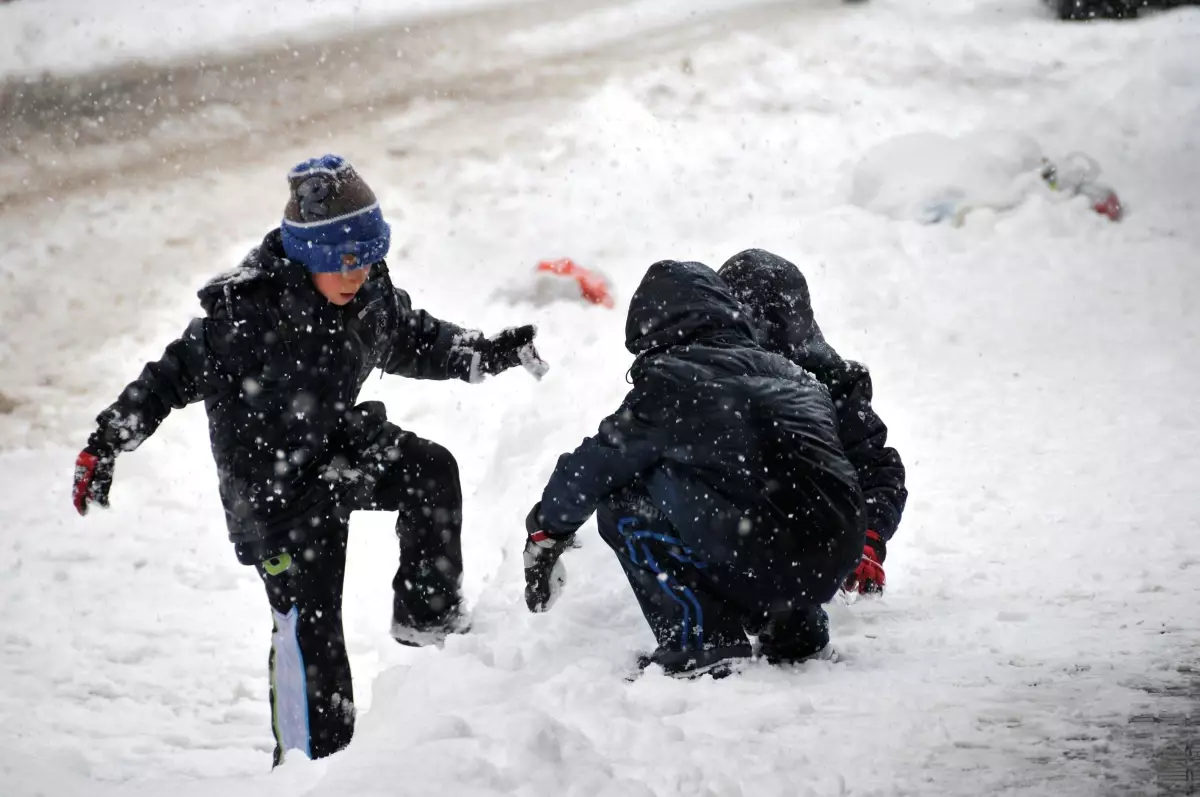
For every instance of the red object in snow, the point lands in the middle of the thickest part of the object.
(592, 286)
(1079, 177)
(1109, 206)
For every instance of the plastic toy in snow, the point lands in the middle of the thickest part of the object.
(1078, 176)
(593, 286)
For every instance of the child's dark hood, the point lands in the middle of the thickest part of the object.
(681, 303)
(777, 295)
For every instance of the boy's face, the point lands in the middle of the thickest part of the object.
(339, 287)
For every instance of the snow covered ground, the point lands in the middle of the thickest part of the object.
(77, 36)
(1036, 367)
(68, 36)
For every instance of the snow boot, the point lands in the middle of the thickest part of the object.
(799, 635)
(717, 662)
(424, 628)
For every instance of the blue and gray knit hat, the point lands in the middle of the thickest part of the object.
(332, 220)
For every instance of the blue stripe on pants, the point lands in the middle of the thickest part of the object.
(679, 593)
(289, 681)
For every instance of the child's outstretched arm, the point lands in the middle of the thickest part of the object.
(204, 361)
(424, 347)
(625, 447)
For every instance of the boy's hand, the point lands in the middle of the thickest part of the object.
(93, 477)
(511, 348)
(544, 575)
(868, 578)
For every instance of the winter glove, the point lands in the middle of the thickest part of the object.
(544, 576)
(868, 578)
(511, 348)
(93, 477)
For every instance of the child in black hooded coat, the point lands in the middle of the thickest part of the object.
(720, 484)
(777, 295)
(279, 357)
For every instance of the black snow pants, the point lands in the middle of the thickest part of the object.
(696, 619)
(312, 697)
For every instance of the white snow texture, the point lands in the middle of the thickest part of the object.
(1036, 366)
(72, 36)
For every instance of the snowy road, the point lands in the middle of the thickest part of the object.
(1036, 368)
(59, 132)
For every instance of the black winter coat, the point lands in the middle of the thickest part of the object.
(737, 446)
(777, 295)
(279, 369)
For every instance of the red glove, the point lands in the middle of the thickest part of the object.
(93, 477)
(868, 578)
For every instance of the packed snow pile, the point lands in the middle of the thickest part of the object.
(931, 178)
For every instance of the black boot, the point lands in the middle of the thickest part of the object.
(428, 604)
(794, 636)
(420, 630)
(717, 662)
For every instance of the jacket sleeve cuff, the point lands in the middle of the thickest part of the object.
(117, 432)
(882, 520)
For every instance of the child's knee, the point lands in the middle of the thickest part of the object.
(439, 477)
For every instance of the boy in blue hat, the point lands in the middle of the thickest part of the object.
(285, 345)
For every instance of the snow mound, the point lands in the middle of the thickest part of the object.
(930, 177)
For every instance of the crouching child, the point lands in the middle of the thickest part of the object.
(776, 294)
(720, 484)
